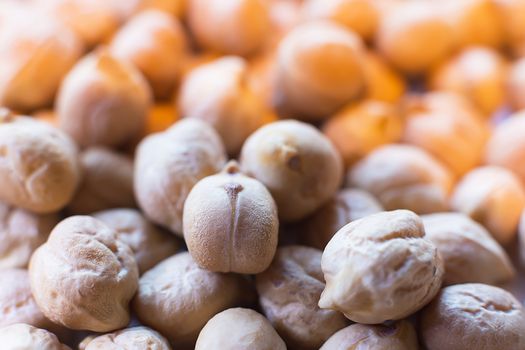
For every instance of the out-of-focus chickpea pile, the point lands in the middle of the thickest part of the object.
(262, 174)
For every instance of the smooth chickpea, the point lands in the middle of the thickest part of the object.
(380, 267)
(403, 177)
(383, 83)
(136, 338)
(513, 12)
(516, 85)
(107, 182)
(177, 298)
(154, 42)
(298, 164)
(288, 293)
(39, 170)
(83, 277)
(319, 68)
(469, 252)
(239, 329)
(175, 8)
(230, 223)
(494, 197)
(103, 101)
(169, 164)
(346, 206)
(359, 128)
(21, 336)
(482, 317)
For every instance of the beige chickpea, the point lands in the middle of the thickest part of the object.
(346, 206)
(149, 244)
(175, 8)
(298, 164)
(177, 298)
(383, 82)
(103, 101)
(36, 53)
(380, 268)
(516, 84)
(230, 223)
(473, 316)
(219, 93)
(513, 12)
(83, 277)
(478, 73)
(469, 252)
(39, 169)
(360, 16)
(107, 182)
(233, 27)
(169, 164)
(403, 177)
(239, 328)
(136, 338)
(409, 27)
(288, 293)
(494, 197)
(155, 43)
(359, 128)
(319, 68)
(21, 336)
(398, 336)
(21, 233)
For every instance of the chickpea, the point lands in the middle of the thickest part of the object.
(468, 250)
(239, 329)
(177, 298)
(39, 170)
(288, 293)
(380, 267)
(103, 101)
(107, 182)
(440, 102)
(136, 338)
(169, 164)
(23, 336)
(83, 277)
(494, 197)
(513, 12)
(403, 177)
(516, 84)
(483, 317)
(154, 42)
(175, 8)
(300, 167)
(319, 68)
(383, 83)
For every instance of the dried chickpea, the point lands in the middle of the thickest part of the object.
(232, 28)
(380, 268)
(319, 68)
(383, 83)
(21, 233)
(516, 84)
(107, 182)
(403, 177)
(239, 328)
(407, 29)
(83, 277)
(177, 298)
(230, 223)
(473, 316)
(513, 12)
(288, 293)
(154, 42)
(21, 336)
(298, 164)
(175, 8)
(103, 101)
(521, 238)
(360, 16)
(478, 73)
(149, 244)
(398, 336)
(346, 206)
(136, 338)
(359, 128)
(494, 197)
(169, 164)
(160, 118)
(39, 169)
(218, 93)
(469, 252)
(440, 102)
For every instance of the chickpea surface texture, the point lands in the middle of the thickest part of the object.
(21, 336)
(136, 338)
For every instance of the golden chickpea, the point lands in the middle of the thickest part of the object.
(319, 68)
(383, 83)
(513, 12)
(516, 85)
(175, 8)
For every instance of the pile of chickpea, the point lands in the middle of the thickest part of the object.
(262, 174)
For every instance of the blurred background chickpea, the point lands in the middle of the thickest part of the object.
(516, 85)
(383, 83)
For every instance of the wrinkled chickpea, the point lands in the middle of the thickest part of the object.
(21, 336)
(380, 268)
(469, 252)
(239, 329)
(136, 338)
